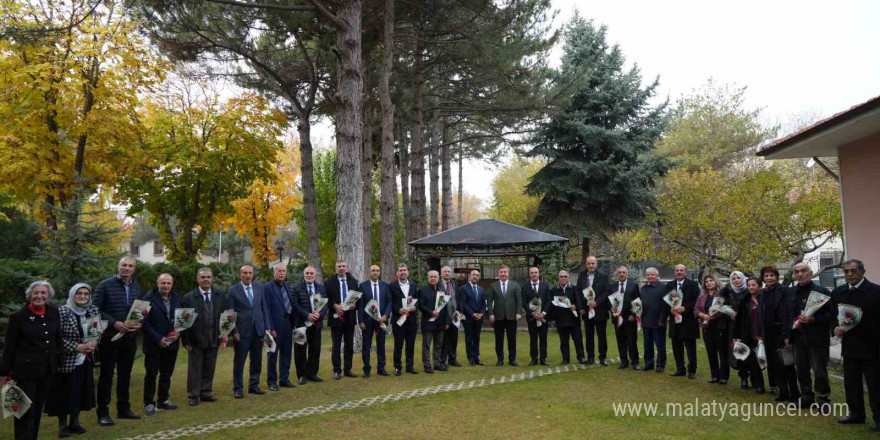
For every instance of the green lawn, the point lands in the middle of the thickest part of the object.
(575, 404)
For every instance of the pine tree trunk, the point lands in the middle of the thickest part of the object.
(417, 155)
(405, 171)
(387, 210)
(434, 165)
(446, 163)
(585, 251)
(367, 166)
(310, 202)
(350, 94)
(460, 184)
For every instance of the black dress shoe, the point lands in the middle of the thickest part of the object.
(722, 382)
(193, 401)
(479, 362)
(366, 374)
(533, 362)
(851, 420)
(543, 362)
(337, 376)
(397, 371)
(875, 426)
(499, 363)
(382, 373)
(349, 374)
(302, 380)
(623, 366)
(513, 364)
(208, 398)
(564, 363)
(455, 364)
(774, 391)
(759, 390)
(167, 405)
(636, 367)
(660, 369)
(648, 368)
(591, 361)
(583, 362)
(442, 368)
(429, 371)
(76, 429)
(63, 431)
(286, 384)
(473, 363)
(315, 379)
(692, 376)
(603, 362)
(238, 394)
(128, 415)
(412, 370)
(256, 390)
(678, 373)
(713, 380)
(744, 384)
(273, 387)
(105, 420)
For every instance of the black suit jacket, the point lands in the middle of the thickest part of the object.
(528, 293)
(600, 284)
(397, 302)
(689, 327)
(334, 294)
(630, 293)
(818, 333)
(427, 297)
(473, 301)
(563, 317)
(194, 299)
(158, 322)
(861, 342)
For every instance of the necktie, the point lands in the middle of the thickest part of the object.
(286, 300)
(207, 297)
(344, 290)
(376, 296)
(310, 290)
(535, 288)
(250, 295)
(310, 297)
(476, 292)
(447, 289)
(621, 286)
(504, 288)
(679, 285)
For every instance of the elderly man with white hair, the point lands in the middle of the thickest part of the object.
(811, 338)
(655, 312)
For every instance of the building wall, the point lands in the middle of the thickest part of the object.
(146, 253)
(860, 190)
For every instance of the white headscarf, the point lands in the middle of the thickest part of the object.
(71, 304)
(742, 277)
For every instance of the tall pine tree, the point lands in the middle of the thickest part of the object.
(599, 144)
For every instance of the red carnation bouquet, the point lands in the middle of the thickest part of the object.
(138, 312)
(15, 401)
(184, 318)
(848, 316)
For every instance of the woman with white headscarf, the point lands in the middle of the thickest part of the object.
(73, 387)
(737, 291)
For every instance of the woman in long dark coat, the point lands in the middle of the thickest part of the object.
(73, 387)
(30, 356)
(747, 323)
(716, 329)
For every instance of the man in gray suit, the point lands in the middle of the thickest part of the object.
(450, 335)
(505, 309)
(202, 340)
(246, 298)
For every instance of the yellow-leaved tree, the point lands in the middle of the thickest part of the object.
(269, 204)
(511, 203)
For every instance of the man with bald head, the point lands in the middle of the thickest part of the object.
(811, 339)
(596, 279)
(434, 323)
(251, 324)
(374, 289)
(308, 355)
(626, 331)
(684, 335)
(160, 347)
(450, 337)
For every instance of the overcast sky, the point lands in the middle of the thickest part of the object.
(795, 57)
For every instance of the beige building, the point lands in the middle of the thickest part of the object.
(853, 136)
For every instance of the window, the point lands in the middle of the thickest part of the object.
(134, 250)
(158, 249)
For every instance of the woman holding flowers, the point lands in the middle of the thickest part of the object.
(73, 387)
(747, 318)
(716, 327)
(30, 356)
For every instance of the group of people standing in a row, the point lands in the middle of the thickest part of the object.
(46, 356)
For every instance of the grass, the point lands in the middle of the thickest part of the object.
(569, 405)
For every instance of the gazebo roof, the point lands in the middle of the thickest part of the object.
(488, 232)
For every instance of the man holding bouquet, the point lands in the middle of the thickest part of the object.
(505, 307)
(567, 323)
(434, 323)
(448, 285)
(247, 299)
(202, 340)
(473, 302)
(810, 337)
(684, 335)
(627, 329)
(160, 344)
(536, 291)
(598, 281)
(341, 321)
(861, 347)
(308, 355)
(402, 292)
(374, 289)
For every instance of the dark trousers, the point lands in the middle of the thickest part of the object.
(252, 346)
(345, 333)
(627, 334)
(429, 336)
(367, 346)
(404, 335)
(538, 340)
(450, 345)
(655, 337)
(718, 348)
(597, 328)
(678, 348)
(750, 366)
(28, 426)
(308, 355)
(853, 370)
(118, 356)
(278, 363)
(507, 326)
(564, 334)
(200, 368)
(472, 330)
(158, 362)
(812, 358)
(785, 377)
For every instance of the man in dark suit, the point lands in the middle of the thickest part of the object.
(449, 355)
(341, 322)
(626, 332)
(473, 304)
(308, 355)
(567, 324)
(861, 347)
(434, 323)
(247, 299)
(811, 340)
(202, 340)
(378, 290)
(160, 346)
(538, 335)
(279, 308)
(114, 297)
(684, 335)
(401, 289)
(505, 309)
(655, 313)
(598, 281)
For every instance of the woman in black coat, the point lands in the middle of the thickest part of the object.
(747, 324)
(735, 291)
(30, 356)
(73, 387)
(716, 329)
